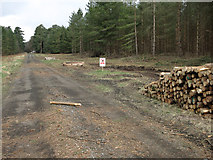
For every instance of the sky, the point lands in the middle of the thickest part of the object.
(28, 14)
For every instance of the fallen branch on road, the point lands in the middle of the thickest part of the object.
(65, 103)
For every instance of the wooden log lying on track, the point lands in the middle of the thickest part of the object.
(65, 103)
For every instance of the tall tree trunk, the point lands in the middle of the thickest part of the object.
(178, 32)
(142, 37)
(72, 46)
(188, 36)
(198, 35)
(185, 36)
(211, 39)
(136, 40)
(153, 42)
(80, 43)
(41, 47)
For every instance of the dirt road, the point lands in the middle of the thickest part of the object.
(104, 126)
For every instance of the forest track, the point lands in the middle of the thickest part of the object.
(104, 127)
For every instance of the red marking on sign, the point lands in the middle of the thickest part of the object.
(102, 61)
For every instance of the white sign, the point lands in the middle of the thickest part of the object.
(102, 62)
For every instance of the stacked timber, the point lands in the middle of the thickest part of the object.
(189, 87)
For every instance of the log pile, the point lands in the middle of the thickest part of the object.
(189, 87)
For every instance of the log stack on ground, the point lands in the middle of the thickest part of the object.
(189, 87)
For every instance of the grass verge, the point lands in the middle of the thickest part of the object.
(10, 65)
(52, 61)
(104, 88)
(105, 73)
(159, 61)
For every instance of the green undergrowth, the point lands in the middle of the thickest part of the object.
(194, 61)
(10, 65)
(52, 61)
(104, 73)
(103, 88)
(163, 62)
(146, 60)
(123, 84)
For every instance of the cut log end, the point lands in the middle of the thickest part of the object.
(189, 87)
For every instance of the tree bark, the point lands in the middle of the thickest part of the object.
(142, 38)
(185, 36)
(41, 51)
(198, 35)
(136, 40)
(153, 43)
(80, 43)
(188, 36)
(178, 32)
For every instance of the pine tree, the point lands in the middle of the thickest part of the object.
(76, 30)
(154, 34)
(19, 38)
(127, 28)
(9, 45)
(39, 38)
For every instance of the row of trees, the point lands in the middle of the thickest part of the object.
(12, 41)
(53, 40)
(130, 28)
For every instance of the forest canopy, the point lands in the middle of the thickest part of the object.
(120, 29)
(12, 41)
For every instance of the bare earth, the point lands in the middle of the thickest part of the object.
(120, 124)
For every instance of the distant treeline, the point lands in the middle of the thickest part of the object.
(121, 29)
(12, 41)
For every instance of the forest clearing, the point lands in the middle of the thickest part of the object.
(114, 80)
(114, 113)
